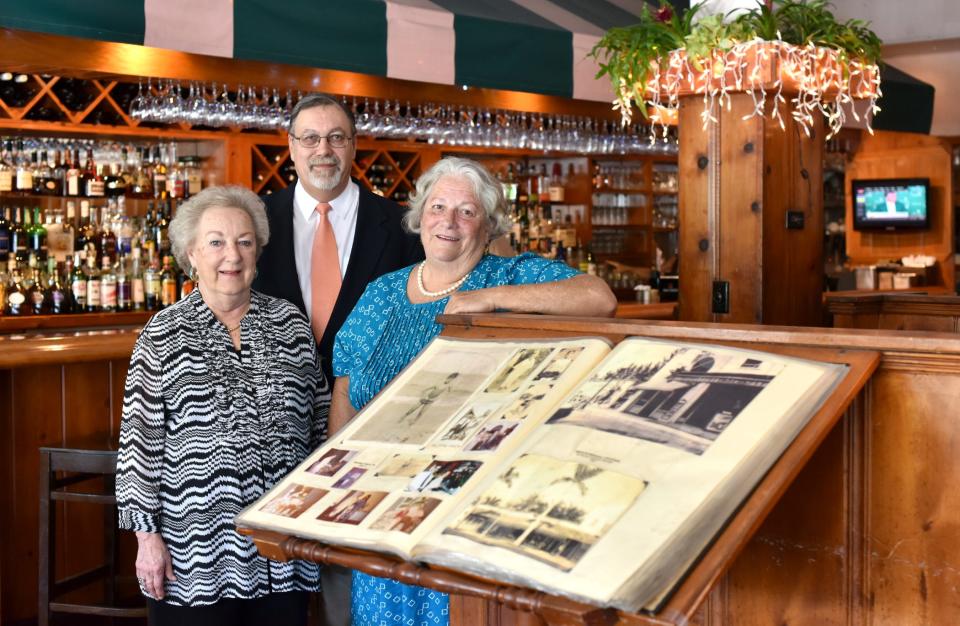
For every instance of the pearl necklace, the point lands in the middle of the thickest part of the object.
(442, 292)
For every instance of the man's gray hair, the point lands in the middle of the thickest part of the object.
(487, 189)
(183, 229)
(312, 100)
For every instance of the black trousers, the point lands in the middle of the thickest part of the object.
(283, 609)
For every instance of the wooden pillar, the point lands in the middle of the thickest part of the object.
(751, 217)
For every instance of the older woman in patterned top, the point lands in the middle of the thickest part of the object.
(458, 209)
(223, 398)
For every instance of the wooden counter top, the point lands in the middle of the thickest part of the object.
(49, 348)
(638, 311)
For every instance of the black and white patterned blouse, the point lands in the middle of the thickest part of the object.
(206, 430)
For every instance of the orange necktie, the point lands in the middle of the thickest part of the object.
(324, 273)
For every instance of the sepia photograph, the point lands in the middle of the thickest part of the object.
(349, 477)
(406, 514)
(463, 426)
(519, 408)
(403, 466)
(426, 403)
(352, 508)
(491, 436)
(548, 509)
(685, 401)
(558, 363)
(294, 500)
(517, 370)
(332, 461)
(445, 476)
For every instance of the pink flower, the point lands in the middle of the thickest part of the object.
(664, 13)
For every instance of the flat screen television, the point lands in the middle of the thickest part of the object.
(891, 204)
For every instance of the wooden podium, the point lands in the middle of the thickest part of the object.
(480, 601)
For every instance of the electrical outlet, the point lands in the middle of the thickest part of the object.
(720, 302)
(794, 220)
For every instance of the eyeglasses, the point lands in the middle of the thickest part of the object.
(312, 140)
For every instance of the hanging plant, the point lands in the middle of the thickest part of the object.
(796, 49)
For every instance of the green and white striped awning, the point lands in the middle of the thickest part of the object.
(537, 46)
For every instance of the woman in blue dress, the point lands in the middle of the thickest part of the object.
(458, 209)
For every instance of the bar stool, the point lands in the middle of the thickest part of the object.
(97, 464)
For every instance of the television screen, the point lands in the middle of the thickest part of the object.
(891, 204)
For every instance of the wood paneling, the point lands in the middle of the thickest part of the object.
(895, 312)
(904, 155)
(739, 178)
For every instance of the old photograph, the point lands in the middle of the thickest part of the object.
(403, 466)
(352, 508)
(406, 514)
(549, 509)
(332, 461)
(558, 363)
(428, 402)
(685, 400)
(463, 426)
(294, 500)
(517, 370)
(445, 476)
(492, 435)
(349, 477)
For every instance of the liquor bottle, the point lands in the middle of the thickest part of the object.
(151, 285)
(95, 185)
(5, 234)
(60, 237)
(124, 291)
(159, 174)
(78, 284)
(93, 284)
(45, 181)
(114, 184)
(4, 281)
(72, 186)
(137, 296)
(35, 295)
(127, 169)
(35, 174)
(176, 178)
(84, 231)
(59, 172)
(143, 177)
(7, 167)
(93, 234)
(108, 285)
(16, 291)
(37, 236)
(108, 239)
(24, 176)
(168, 283)
(160, 236)
(18, 236)
(54, 296)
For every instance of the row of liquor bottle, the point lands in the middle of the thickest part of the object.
(53, 167)
(98, 231)
(84, 284)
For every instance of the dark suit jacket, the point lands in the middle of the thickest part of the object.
(380, 245)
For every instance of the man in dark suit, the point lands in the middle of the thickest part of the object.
(329, 238)
(369, 238)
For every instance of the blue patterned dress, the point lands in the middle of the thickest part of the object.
(384, 332)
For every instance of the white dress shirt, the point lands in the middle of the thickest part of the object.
(343, 219)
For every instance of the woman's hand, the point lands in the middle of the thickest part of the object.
(153, 564)
(477, 301)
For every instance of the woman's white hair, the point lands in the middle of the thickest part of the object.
(487, 189)
(183, 228)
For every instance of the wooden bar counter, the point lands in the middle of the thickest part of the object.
(864, 535)
(58, 387)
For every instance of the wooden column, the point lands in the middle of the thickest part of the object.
(751, 216)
